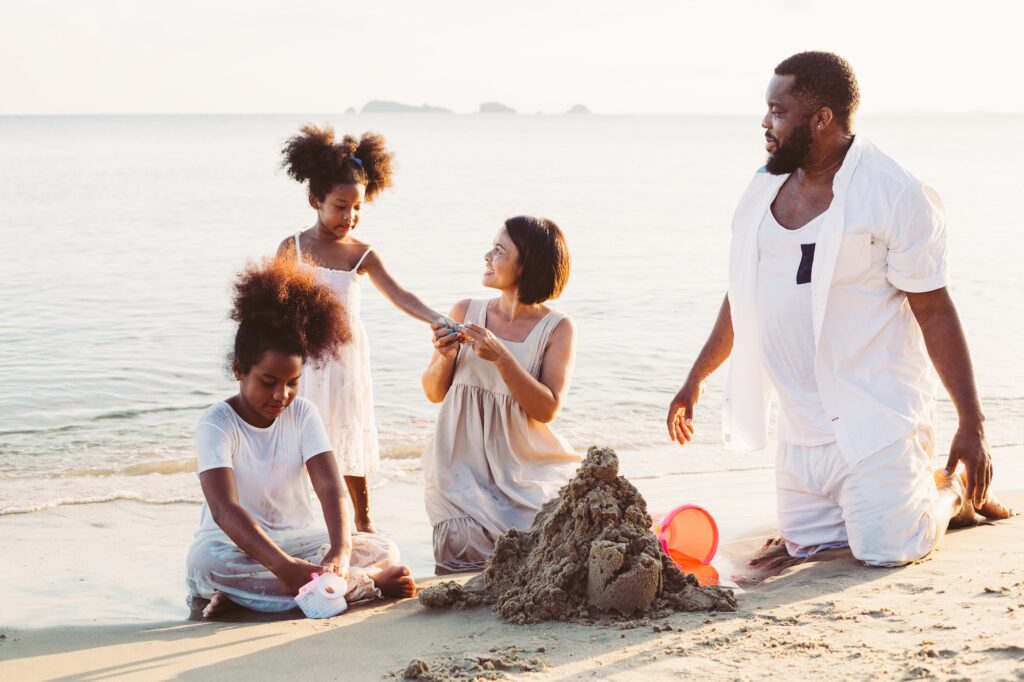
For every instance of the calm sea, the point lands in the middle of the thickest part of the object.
(120, 237)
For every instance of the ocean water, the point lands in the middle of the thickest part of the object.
(120, 237)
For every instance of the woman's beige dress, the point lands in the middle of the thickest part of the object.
(490, 467)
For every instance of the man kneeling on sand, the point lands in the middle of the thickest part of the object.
(837, 300)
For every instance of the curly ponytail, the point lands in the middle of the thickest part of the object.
(314, 157)
(280, 306)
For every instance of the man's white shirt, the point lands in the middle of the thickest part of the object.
(884, 234)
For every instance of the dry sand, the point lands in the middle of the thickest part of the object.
(959, 615)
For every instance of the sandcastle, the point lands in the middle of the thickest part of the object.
(589, 552)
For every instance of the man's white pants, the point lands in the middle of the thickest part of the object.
(886, 507)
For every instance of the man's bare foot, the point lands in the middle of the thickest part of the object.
(995, 510)
(968, 514)
(219, 603)
(396, 582)
(773, 554)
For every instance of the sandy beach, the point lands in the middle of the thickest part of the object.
(958, 615)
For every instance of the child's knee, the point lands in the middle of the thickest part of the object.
(390, 553)
(371, 549)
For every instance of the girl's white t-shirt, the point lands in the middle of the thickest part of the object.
(268, 463)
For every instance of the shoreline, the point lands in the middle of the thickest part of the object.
(122, 572)
(951, 616)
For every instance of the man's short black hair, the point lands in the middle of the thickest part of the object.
(824, 79)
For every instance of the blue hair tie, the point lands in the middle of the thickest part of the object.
(359, 162)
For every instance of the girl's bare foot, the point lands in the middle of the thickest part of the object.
(219, 603)
(396, 582)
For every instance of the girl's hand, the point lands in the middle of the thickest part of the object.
(337, 561)
(486, 345)
(297, 573)
(446, 338)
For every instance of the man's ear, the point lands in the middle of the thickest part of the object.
(823, 118)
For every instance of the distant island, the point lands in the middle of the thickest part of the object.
(384, 107)
(496, 108)
(578, 109)
(350, 110)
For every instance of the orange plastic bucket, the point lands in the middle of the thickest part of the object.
(689, 535)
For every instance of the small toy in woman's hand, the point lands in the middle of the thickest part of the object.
(455, 329)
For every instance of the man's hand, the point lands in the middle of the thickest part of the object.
(680, 412)
(970, 446)
(947, 347)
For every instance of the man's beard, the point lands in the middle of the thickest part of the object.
(790, 154)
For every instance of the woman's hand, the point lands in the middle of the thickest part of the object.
(338, 561)
(447, 336)
(486, 345)
(296, 573)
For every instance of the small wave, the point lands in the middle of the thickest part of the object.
(28, 432)
(128, 414)
(99, 499)
(165, 467)
(119, 414)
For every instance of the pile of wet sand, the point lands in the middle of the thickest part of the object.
(589, 552)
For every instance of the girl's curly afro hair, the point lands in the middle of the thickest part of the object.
(279, 305)
(314, 157)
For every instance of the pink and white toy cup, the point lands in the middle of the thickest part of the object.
(323, 596)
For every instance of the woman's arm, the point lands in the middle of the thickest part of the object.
(323, 474)
(541, 400)
(437, 378)
(401, 298)
(221, 494)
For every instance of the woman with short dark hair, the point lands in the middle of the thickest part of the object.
(502, 368)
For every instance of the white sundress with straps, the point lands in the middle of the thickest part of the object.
(341, 387)
(490, 467)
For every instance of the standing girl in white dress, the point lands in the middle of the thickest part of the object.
(341, 177)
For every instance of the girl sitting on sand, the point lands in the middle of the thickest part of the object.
(502, 377)
(257, 542)
(341, 178)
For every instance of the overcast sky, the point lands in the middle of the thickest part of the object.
(633, 56)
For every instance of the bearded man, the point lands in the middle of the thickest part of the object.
(838, 304)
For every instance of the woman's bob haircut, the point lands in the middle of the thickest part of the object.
(543, 255)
